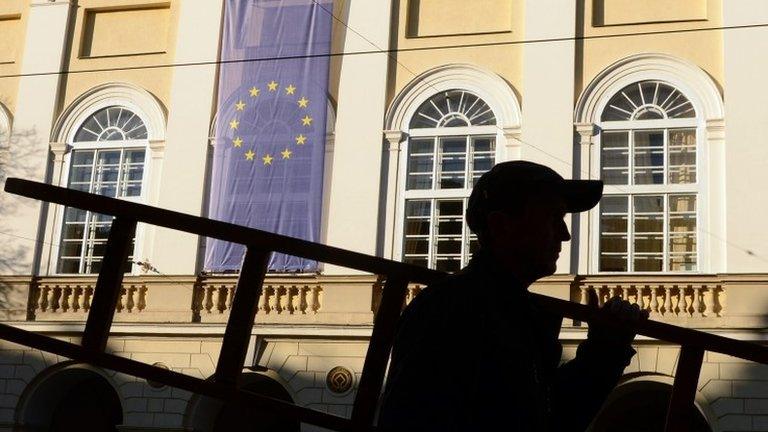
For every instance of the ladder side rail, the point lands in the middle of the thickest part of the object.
(241, 316)
(109, 284)
(658, 330)
(171, 378)
(379, 348)
(684, 389)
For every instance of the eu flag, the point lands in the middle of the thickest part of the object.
(270, 125)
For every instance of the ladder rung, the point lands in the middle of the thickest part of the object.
(108, 284)
(244, 306)
(371, 381)
(684, 389)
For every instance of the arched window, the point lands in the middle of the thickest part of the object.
(452, 142)
(107, 158)
(649, 163)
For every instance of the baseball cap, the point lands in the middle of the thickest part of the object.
(513, 183)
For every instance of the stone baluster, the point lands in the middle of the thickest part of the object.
(667, 299)
(130, 302)
(639, 296)
(44, 302)
(625, 292)
(613, 292)
(77, 298)
(274, 293)
(682, 302)
(230, 296)
(707, 302)
(290, 292)
(263, 299)
(66, 297)
(121, 300)
(208, 301)
(313, 305)
(654, 300)
(87, 296)
(142, 298)
(283, 299)
(56, 299)
(696, 310)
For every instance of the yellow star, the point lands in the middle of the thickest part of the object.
(267, 159)
(254, 91)
(234, 124)
(303, 102)
(272, 86)
(286, 154)
(240, 105)
(301, 139)
(306, 121)
(290, 90)
(249, 154)
(238, 142)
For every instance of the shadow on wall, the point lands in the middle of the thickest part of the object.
(73, 395)
(19, 157)
(213, 415)
(640, 406)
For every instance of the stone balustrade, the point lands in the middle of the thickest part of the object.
(671, 300)
(213, 301)
(700, 301)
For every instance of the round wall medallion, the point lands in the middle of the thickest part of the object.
(339, 380)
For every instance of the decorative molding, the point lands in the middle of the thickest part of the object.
(157, 147)
(487, 85)
(586, 131)
(682, 74)
(716, 130)
(395, 139)
(140, 101)
(59, 150)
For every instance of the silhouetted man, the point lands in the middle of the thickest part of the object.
(472, 353)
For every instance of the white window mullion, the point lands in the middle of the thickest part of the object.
(431, 252)
(630, 233)
(665, 225)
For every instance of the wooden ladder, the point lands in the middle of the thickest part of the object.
(259, 245)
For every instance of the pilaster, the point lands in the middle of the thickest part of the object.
(393, 140)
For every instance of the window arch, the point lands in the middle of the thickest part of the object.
(649, 219)
(444, 129)
(651, 126)
(107, 158)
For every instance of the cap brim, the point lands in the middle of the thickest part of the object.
(581, 195)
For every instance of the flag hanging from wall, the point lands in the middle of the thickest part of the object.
(270, 125)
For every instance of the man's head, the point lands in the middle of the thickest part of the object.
(517, 209)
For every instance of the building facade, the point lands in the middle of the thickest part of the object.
(660, 99)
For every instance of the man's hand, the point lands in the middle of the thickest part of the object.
(611, 335)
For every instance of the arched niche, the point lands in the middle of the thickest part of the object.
(205, 414)
(70, 397)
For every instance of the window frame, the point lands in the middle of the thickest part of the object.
(698, 189)
(122, 145)
(403, 195)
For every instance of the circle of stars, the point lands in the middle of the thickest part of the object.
(254, 93)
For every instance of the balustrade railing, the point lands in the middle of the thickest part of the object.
(73, 300)
(665, 300)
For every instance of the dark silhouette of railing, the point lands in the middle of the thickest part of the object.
(259, 246)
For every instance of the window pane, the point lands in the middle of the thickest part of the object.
(109, 157)
(74, 215)
(67, 265)
(420, 164)
(682, 232)
(453, 162)
(71, 249)
(417, 208)
(649, 157)
(682, 156)
(614, 157)
(483, 157)
(82, 157)
(649, 232)
(416, 227)
(450, 208)
(448, 264)
(614, 213)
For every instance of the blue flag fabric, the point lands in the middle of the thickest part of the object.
(270, 128)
